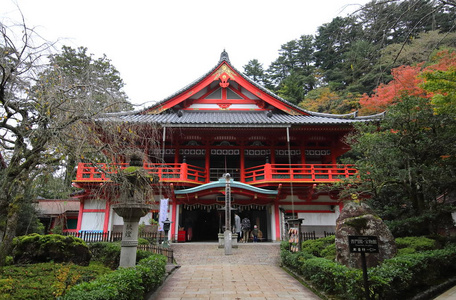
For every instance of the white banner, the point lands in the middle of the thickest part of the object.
(163, 213)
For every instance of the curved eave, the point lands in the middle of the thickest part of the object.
(208, 78)
(221, 184)
(166, 105)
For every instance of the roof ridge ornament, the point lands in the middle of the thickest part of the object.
(224, 57)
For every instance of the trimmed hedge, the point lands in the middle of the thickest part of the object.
(398, 278)
(37, 248)
(123, 284)
(324, 247)
(403, 276)
(413, 244)
(109, 253)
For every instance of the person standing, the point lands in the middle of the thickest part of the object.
(237, 226)
(245, 226)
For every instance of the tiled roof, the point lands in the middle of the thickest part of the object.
(228, 118)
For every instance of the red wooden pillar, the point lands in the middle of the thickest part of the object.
(303, 154)
(277, 219)
(176, 155)
(242, 166)
(173, 217)
(333, 154)
(106, 216)
(81, 210)
(208, 163)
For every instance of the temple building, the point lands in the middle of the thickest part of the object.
(277, 154)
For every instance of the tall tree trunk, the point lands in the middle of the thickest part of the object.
(10, 229)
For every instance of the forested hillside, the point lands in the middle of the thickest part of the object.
(351, 56)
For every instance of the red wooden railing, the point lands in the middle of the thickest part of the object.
(166, 172)
(183, 172)
(299, 173)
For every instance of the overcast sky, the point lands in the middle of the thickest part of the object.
(161, 46)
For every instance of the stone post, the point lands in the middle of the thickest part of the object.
(131, 213)
(228, 233)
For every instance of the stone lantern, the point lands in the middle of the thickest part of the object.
(166, 227)
(133, 202)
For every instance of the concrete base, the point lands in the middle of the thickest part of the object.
(221, 240)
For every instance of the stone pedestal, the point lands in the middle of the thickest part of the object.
(221, 240)
(131, 213)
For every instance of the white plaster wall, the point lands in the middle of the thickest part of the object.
(95, 204)
(118, 220)
(318, 219)
(208, 105)
(146, 219)
(92, 221)
(243, 106)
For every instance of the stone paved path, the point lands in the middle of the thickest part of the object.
(251, 272)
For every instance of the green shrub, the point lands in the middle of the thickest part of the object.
(45, 280)
(109, 253)
(405, 251)
(152, 271)
(9, 261)
(333, 278)
(329, 252)
(142, 241)
(404, 276)
(36, 248)
(284, 245)
(416, 243)
(142, 254)
(401, 277)
(315, 247)
(125, 283)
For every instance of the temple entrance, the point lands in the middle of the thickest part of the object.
(201, 224)
(257, 216)
(204, 224)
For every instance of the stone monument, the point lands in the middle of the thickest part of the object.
(358, 219)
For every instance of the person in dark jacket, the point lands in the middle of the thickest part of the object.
(245, 226)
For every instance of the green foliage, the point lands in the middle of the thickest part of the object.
(35, 248)
(355, 54)
(125, 283)
(142, 241)
(152, 271)
(45, 280)
(406, 162)
(320, 247)
(109, 253)
(401, 277)
(333, 278)
(406, 275)
(417, 243)
(284, 245)
(425, 224)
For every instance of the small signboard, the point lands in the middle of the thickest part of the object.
(363, 244)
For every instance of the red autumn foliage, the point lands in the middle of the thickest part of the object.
(406, 81)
